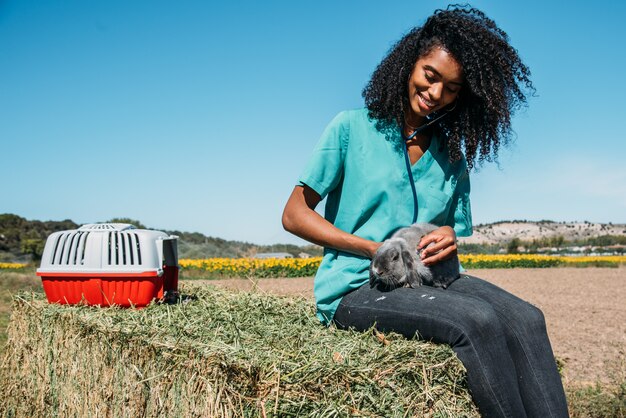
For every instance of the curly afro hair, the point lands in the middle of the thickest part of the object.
(494, 82)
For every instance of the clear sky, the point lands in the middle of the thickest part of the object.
(199, 115)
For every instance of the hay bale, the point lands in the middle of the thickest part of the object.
(218, 353)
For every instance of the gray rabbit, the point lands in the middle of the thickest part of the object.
(397, 262)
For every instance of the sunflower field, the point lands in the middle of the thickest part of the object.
(253, 267)
(486, 261)
(302, 267)
(11, 266)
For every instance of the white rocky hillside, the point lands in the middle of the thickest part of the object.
(503, 232)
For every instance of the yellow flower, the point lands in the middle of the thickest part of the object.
(12, 265)
(295, 267)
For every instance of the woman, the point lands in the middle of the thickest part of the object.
(439, 102)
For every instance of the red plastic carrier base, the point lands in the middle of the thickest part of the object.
(125, 290)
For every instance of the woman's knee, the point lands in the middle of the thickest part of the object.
(531, 318)
(480, 324)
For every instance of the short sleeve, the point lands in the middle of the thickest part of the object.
(460, 215)
(324, 169)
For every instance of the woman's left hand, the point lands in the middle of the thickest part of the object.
(444, 245)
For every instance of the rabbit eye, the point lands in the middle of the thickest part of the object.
(395, 257)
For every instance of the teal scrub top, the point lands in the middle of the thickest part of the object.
(363, 174)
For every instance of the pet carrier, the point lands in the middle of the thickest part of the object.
(109, 264)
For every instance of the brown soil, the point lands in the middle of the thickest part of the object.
(585, 312)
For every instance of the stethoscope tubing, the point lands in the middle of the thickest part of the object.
(408, 161)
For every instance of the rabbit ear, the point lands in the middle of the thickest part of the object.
(412, 279)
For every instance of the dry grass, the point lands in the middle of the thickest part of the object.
(12, 282)
(218, 353)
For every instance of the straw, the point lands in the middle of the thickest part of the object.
(218, 353)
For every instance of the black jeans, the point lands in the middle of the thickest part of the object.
(501, 340)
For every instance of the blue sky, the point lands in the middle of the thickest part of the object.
(199, 115)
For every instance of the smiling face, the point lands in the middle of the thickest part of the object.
(434, 83)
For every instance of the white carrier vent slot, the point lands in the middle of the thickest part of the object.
(106, 227)
(102, 227)
(69, 249)
(123, 248)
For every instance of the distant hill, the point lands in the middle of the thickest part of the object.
(504, 231)
(546, 237)
(23, 240)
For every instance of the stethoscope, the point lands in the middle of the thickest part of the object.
(408, 161)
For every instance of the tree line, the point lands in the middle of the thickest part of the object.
(22, 239)
(558, 242)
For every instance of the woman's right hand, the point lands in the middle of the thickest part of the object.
(300, 218)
